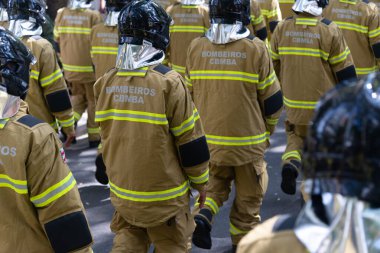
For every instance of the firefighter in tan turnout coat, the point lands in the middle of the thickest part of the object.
(154, 146)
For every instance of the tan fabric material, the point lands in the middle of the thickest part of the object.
(166, 3)
(316, 49)
(262, 239)
(34, 157)
(104, 48)
(4, 24)
(231, 101)
(145, 158)
(257, 19)
(296, 135)
(190, 22)
(72, 32)
(286, 8)
(169, 237)
(251, 182)
(270, 9)
(360, 25)
(46, 78)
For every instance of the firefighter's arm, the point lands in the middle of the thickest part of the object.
(274, 54)
(374, 32)
(56, 25)
(274, 15)
(55, 90)
(340, 58)
(54, 194)
(258, 22)
(269, 92)
(186, 127)
(188, 81)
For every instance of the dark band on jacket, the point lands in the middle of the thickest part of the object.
(273, 25)
(29, 121)
(273, 104)
(262, 33)
(58, 101)
(376, 50)
(194, 152)
(69, 233)
(346, 74)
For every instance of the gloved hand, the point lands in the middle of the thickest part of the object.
(289, 176)
(202, 233)
(69, 136)
(100, 173)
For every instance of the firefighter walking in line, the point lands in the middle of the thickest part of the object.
(154, 146)
(40, 204)
(234, 86)
(360, 24)
(286, 8)
(48, 98)
(342, 173)
(257, 26)
(310, 56)
(3, 14)
(190, 20)
(72, 32)
(270, 9)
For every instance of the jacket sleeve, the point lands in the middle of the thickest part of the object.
(374, 33)
(269, 92)
(54, 89)
(273, 15)
(274, 53)
(188, 82)
(186, 127)
(56, 25)
(257, 20)
(54, 194)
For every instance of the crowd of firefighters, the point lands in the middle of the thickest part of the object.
(185, 95)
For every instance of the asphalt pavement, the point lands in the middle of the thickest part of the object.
(99, 209)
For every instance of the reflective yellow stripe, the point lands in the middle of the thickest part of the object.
(55, 32)
(179, 69)
(74, 30)
(274, 55)
(256, 21)
(352, 26)
(235, 231)
(200, 179)
(269, 13)
(299, 51)
(224, 75)
(54, 125)
(74, 68)
(77, 116)
(19, 186)
(286, 1)
(366, 71)
(300, 104)
(133, 116)
(51, 78)
(189, 6)
(188, 81)
(347, 2)
(292, 154)
(267, 81)
(237, 141)
(187, 29)
(340, 57)
(272, 121)
(34, 75)
(186, 125)
(306, 21)
(3, 122)
(136, 72)
(94, 130)
(212, 204)
(104, 50)
(54, 192)
(374, 33)
(67, 122)
(150, 196)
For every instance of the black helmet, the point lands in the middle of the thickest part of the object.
(15, 59)
(144, 20)
(3, 3)
(230, 11)
(116, 5)
(25, 9)
(342, 151)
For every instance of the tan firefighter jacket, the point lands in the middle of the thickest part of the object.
(38, 193)
(153, 142)
(360, 24)
(166, 3)
(72, 32)
(48, 98)
(286, 8)
(257, 25)
(236, 91)
(104, 48)
(190, 22)
(270, 9)
(310, 56)
(4, 24)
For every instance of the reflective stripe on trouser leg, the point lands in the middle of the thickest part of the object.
(251, 182)
(295, 143)
(78, 99)
(92, 126)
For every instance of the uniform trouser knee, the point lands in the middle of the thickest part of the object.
(296, 135)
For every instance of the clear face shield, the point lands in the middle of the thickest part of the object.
(111, 18)
(78, 4)
(22, 27)
(192, 2)
(9, 105)
(3, 14)
(225, 33)
(307, 6)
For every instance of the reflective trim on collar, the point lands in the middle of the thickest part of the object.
(3, 122)
(136, 72)
(306, 21)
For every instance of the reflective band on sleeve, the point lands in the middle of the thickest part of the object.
(237, 141)
(186, 125)
(68, 122)
(291, 154)
(341, 57)
(274, 55)
(299, 51)
(188, 81)
(74, 30)
(201, 179)
(352, 27)
(34, 75)
(136, 72)
(133, 116)
(54, 192)
(138, 196)
(300, 104)
(77, 116)
(374, 33)
(224, 75)
(306, 21)
(235, 231)
(256, 21)
(179, 69)
(19, 186)
(3, 122)
(94, 130)
(366, 71)
(212, 204)
(269, 13)
(187, 29)
(267, 81)
(189, 6)
(74, 68)
(104, 50)
(51, 78)
(54, 125)
(272, 122)
(286, 1)
(348, 2)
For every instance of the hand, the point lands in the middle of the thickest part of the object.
(202, 198)
(69, 139)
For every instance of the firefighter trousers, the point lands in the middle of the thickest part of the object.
(251, 182)
(169, 237)
(82, 99)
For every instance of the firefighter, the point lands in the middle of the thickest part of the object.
(40, 204)
(72, 32)
(342, 171)
(360, 24)
(310, 56)
(270, 9)
(234, 86)
(257, 26)
(154, 146)
(286, 8)
(166, 3)
(3, 14)
(48, 98)
(191, 20)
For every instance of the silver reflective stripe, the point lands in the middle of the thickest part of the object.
(6, 181)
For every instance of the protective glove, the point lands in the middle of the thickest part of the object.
(289, 176)
(100, 173)
(202, 232)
